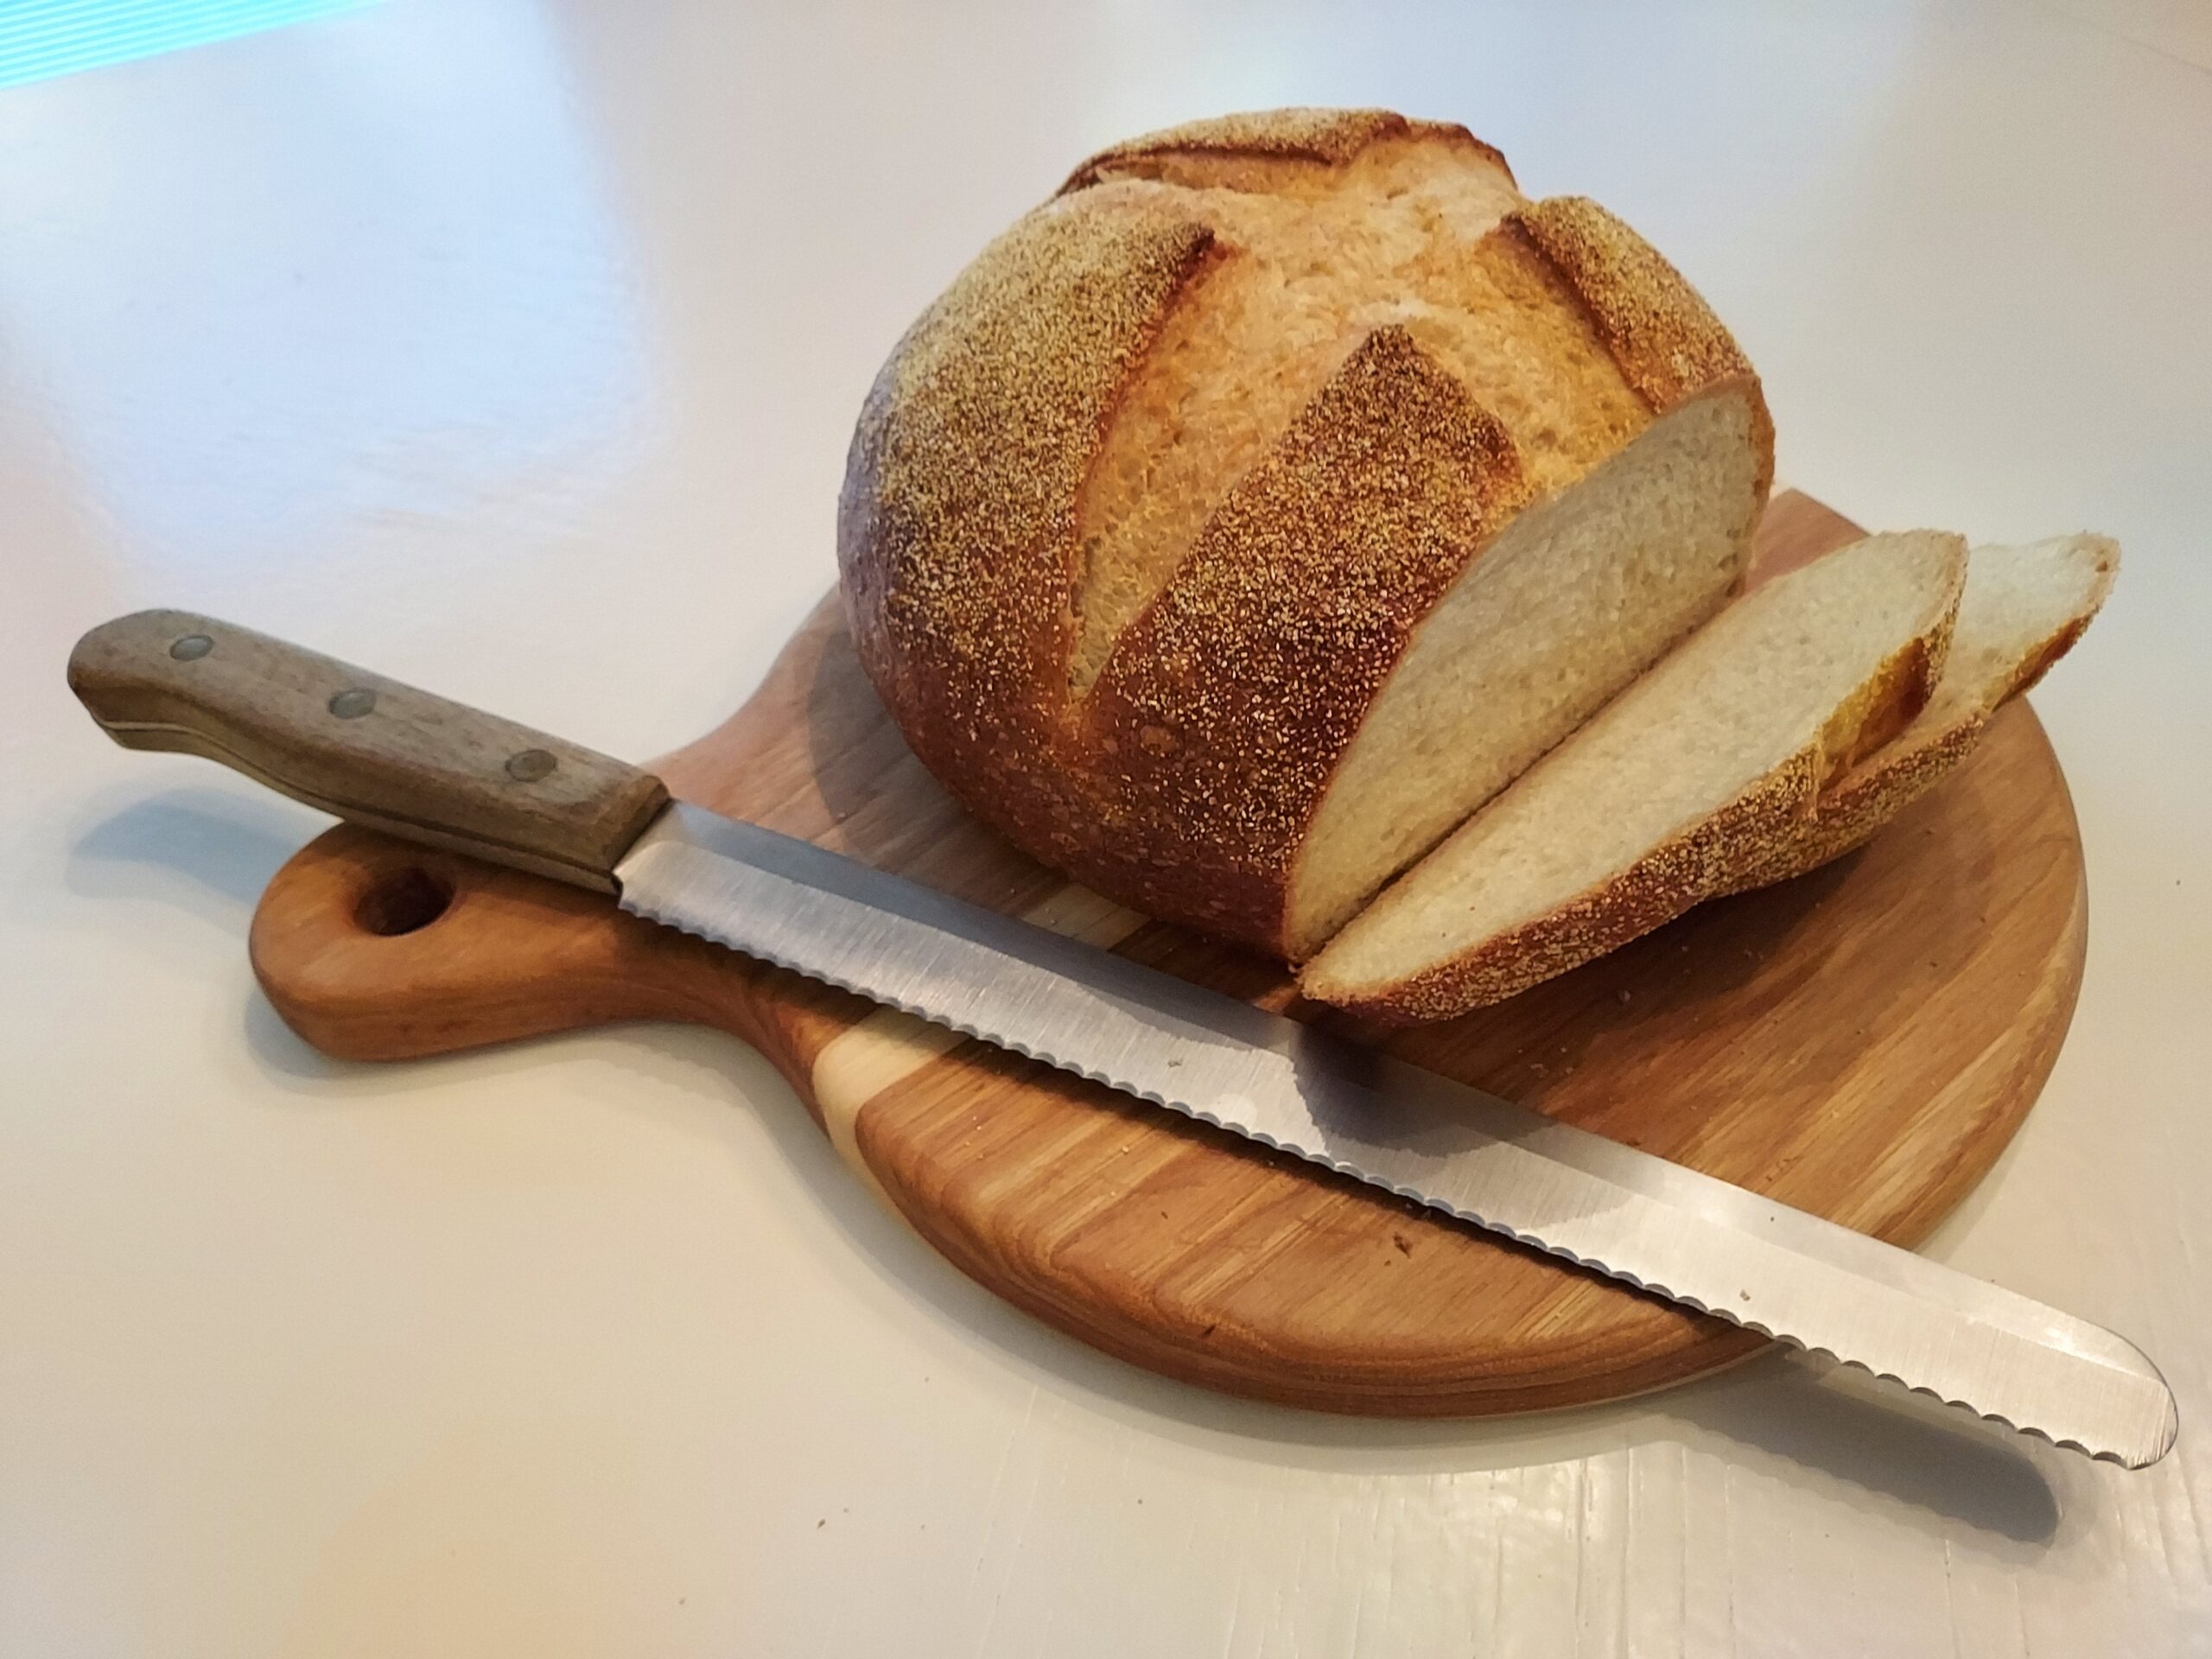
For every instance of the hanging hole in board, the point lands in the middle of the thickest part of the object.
(404, 900)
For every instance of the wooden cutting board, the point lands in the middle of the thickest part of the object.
(1860, 1042)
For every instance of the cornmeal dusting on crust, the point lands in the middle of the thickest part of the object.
(1235, 693)
(1848, 814)
(955, 524)
(1661, 332)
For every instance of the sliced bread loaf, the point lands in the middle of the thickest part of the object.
(2023, 609)
(1685, 782)
(1256, 508)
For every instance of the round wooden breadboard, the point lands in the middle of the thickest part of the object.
(1861, 1043)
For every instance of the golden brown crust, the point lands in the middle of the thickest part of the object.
(1653, 890)
(2031, 672)
(1330, 137)
(955, 524)
(1659, 329)
(1847, 815)
(1881, 709)
(1224, 713)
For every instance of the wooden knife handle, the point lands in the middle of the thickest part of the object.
(369, 749)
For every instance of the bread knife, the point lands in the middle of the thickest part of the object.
(386, 755)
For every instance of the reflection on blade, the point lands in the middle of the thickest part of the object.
(1617, 1211)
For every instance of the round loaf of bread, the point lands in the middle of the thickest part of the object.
(1260, 505)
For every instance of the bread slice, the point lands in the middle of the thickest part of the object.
(1680, 785)
(2023, 609)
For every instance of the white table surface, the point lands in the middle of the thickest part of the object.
(513, 349)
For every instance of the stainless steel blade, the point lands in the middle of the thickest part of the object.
(1657, 1225)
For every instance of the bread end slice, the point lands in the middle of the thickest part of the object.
(2023, 609)
(1693, 777)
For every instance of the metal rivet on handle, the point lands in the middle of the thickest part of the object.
(530, 765)
(192, 647)
(351, 705)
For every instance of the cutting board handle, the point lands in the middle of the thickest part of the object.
(369, 749)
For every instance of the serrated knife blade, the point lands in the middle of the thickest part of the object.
(1633, 1217)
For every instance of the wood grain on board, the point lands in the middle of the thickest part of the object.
(1861, 1043)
